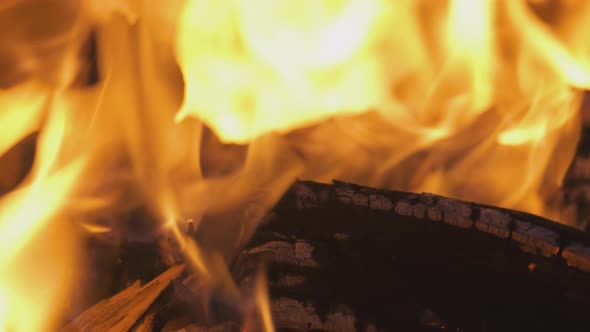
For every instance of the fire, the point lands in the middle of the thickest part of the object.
(473, 99)
(486, 90)
(242, 65)
(38, 243)
(263, 303)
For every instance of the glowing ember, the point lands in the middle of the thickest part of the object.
(482, 95)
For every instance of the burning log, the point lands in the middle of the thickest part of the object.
(346, 257)
(342, 257)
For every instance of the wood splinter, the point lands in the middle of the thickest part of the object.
(123, 310)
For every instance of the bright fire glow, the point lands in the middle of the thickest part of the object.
(473, 99)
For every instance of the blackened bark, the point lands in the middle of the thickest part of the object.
(345, 257)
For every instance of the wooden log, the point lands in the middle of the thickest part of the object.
(351, 258)
(122, 311)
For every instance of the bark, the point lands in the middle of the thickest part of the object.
(348, 258)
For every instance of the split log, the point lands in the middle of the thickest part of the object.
(122, 311)
(343, 257)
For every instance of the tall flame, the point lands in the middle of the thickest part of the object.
(474, 99)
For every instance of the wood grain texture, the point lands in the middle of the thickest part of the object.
(120, 312)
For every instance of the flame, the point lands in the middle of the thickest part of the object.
(94, 228)
(209, 109)
(39, 256)
(22, 115)
(487, 90)
(242, 64)
(263, 302)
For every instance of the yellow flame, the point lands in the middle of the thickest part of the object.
(471, 85)
(190, 249)
(38, 249)
(93, 228)
(22, 110)
(263, 302)
(248, 72)
(470, 44)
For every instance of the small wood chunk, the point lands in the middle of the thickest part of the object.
(289, 313)
(289, 280)
(340, 321)
(429, 199)
(360, 200)
(305, 197)
(403, 208)
(122, 311)
(434, 214)
(535, 238)
(532, 266)
(344, 194)
(293, 314)
(299, 254)
(455, 213)
(348, 195)
(303, 251)
(341, 236)
(494, 222)
(380, 202)
(419, 210)
(577, 255)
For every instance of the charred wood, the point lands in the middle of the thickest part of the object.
(351, 258)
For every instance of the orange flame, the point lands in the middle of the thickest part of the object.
(38, 257)
(489, 81)
(474, 99)
(263, 302)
